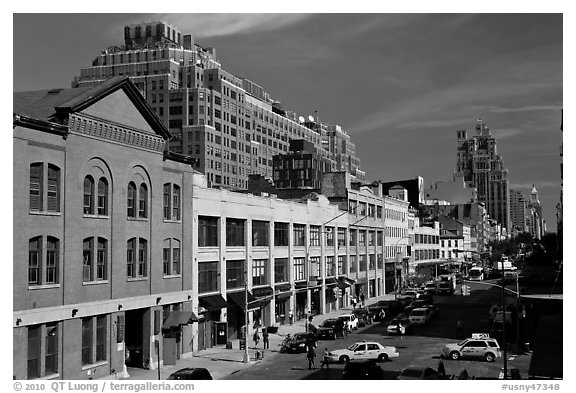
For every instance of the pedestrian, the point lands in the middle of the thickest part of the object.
(399, 330)
(354, 303)
(382, 315)
(362, 298)
(326, 360)
(256, 338)
(265, 338)
(460, 329)
(441, 369)
(291, 317)
(311, 354)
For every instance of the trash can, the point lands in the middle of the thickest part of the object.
(272, 329)
(229, 345)
(242, 343)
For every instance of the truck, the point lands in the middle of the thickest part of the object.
(476, 274)
(446, 284)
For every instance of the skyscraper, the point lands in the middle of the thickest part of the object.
(534, 215)
(228, 124)
(518, 211)
(483, 168)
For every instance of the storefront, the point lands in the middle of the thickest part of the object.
(236, 303)
(282, 303)
(389, 277)
(261, 308)
(210, 310)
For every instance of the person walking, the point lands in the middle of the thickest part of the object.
(353, 303)
(362, 298)
(325, 360)
(441, 369)
(399, 330)
(311, 354)
(382, 315)
(256, 338)
(265, 339)
(460, 329)
(291, 317)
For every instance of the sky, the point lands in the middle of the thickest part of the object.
(400, 84)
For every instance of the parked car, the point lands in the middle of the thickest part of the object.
(363, 350)
(414, 294)
(421, 316)
(481, 347)
(351, 320)
(419, 373)
(405, 326)
(363, 370)
(331, 328)
(191, 373)
(299, 342)
(403, 301)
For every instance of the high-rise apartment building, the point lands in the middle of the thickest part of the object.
(534, 215)
(478, 160)
(229, 125)
(517, 211)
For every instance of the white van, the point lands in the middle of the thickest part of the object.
(420, 316)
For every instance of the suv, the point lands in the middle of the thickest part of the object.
(331, 328)
(351, 320)
(420, 316)
(479, 346)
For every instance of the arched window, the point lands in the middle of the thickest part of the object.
(34, 260)
(102, 197)
(52, 257)
(36, 186)
(131, 199)
(53, 192)
(143, 201)
(88, 195)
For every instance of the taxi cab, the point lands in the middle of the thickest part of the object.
(480, 345)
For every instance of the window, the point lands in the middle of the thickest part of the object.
(34, 260)
(260, 233)
(352, 263)
(371, 262)
(281, 234)
(234, 274)
(314, 235)
(235, 232)
(43, 269)
(362, 263)
(34, 351)
(208, 277)
(88, 195)
(299, 269)
(86, 341)
(87, 256)
(341, 237)
(136, 258)
(341, 265)
(299, 232)
(353, 237)
(171, 202)
(51, 350)
(362, 239)
(131, 199)
(171, 257)
(207, 231)
(37, 188)
(259, 272)
(102, 259)
(372, 238)
(52, 257)
(102, 197)
(330, 267)
(281, 270)
(143, 201)
(94, 339)
(329, 236)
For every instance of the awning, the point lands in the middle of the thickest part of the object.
(239, 298)
(283, 295)
(212, 302)
(177, 318)
(333, 280)
(348, 281)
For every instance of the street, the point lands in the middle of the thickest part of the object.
(421, 348)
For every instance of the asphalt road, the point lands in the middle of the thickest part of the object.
(421, 348)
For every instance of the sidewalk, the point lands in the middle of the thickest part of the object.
(222, 362)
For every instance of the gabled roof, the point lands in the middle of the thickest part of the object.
(54, 106)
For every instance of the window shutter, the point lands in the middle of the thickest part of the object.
(120, 328)
(36, 182)
(53, 188)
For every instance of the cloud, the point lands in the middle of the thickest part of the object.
(539, 185)
(504, 133)
(530, 108)
(212, 25)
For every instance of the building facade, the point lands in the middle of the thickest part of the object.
(483, 168)
(518, 211)
(129, 250)
(229, 125)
